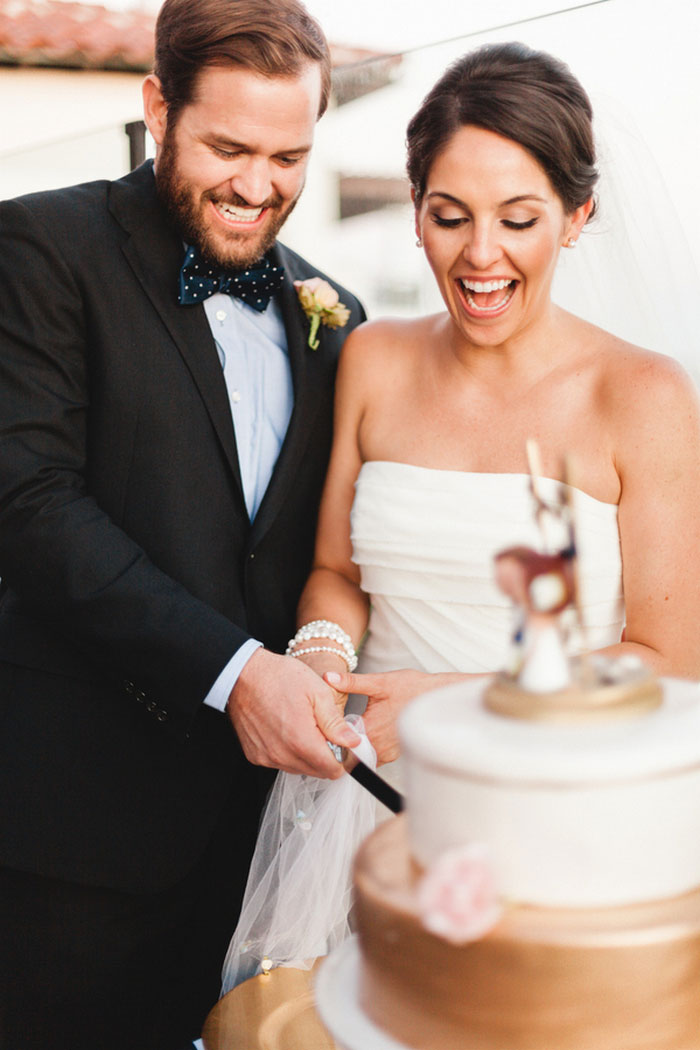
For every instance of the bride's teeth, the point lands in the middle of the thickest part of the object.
(488, 286)
(485, 286)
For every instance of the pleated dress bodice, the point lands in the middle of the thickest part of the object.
(424, 541)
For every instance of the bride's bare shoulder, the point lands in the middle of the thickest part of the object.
(621, 369)
(394, 332)
(389, 343)
(635, 374)
(638, 388)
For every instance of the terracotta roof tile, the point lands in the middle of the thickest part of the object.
(87, 36)
(54, 33)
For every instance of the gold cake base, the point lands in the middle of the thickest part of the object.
(274, 1011)
(585, 700)
(624, 978)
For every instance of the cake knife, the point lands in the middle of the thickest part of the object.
(371, 781)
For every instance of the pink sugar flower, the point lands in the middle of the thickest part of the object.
(457, 897)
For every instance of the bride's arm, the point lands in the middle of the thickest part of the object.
(332, 592)
(656, 431)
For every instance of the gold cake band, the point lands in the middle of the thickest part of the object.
(543, 979)
(575, 704)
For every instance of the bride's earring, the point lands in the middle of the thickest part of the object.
(419, 242)
(571, 243)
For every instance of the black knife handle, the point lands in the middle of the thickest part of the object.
(382, 791)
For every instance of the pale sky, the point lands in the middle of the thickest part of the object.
(406, 24)
(396, 25)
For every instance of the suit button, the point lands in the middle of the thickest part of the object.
(162, 716)
(151, 705)
(129, 686)
(140, 696)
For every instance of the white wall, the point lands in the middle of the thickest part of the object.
(637, 60)
(60, 126)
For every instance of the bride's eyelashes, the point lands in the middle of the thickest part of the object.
(526, 225)
(510, 224)
(449, 224)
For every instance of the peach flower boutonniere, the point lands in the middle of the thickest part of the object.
(320, 304)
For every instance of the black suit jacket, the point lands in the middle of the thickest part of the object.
(130, 571)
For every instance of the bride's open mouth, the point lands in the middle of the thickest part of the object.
(486, 298)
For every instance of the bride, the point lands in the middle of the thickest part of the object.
(428, 472)
(428, 476)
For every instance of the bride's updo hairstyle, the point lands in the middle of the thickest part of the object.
(526, 96)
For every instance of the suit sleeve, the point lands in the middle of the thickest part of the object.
(70, 566)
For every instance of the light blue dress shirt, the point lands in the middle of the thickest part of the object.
(252, 349)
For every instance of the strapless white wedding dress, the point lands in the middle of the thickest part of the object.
(424, 541)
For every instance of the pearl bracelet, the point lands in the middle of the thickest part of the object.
(351, 663)
(325, 629)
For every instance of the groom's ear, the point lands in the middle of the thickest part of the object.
(155, 108)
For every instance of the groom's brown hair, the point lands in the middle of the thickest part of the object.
(270, 37)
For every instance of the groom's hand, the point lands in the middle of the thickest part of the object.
(284, 714)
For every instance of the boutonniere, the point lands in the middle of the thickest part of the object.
(320, 304)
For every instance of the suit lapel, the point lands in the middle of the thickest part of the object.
(155, 252)
(310, 378)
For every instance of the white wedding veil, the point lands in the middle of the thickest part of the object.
(297, 901)
(632, 272)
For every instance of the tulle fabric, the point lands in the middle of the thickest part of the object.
(633, 272)
(297, 901)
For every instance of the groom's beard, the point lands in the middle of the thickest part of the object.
(230, 250)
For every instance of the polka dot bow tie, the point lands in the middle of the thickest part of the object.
(255, 286)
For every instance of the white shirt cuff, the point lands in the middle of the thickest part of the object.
(221, 690)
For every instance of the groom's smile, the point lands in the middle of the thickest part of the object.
(232, 164)
(235, 214)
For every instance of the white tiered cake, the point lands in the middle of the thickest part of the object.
(598, 814)
(592, 833)
(580, 781)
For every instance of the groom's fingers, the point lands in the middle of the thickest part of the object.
(333, 725)
(283, 714)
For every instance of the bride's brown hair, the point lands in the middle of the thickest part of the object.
(527, 96)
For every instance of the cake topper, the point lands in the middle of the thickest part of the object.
(542, 680)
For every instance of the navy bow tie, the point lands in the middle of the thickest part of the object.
(255, 286)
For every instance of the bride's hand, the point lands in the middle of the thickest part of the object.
(387, 694)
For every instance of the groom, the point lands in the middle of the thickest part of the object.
(162, 452)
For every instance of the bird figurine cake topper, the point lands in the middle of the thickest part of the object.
(542, 679)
